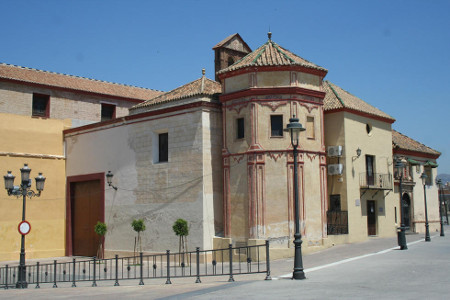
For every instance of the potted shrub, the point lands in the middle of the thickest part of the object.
(181, 229)
(100, 229)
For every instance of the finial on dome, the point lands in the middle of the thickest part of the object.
(269, 34)
(203, 72)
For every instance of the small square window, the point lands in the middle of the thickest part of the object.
(108, 112)
(240, 133)
(41, 106)
(276, 125)
(163, 147)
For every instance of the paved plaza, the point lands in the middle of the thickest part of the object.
(373, 269)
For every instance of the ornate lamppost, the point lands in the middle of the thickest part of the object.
(427, 230)
(441, 203)
(294, 128)
(401, 237)
(25, 191)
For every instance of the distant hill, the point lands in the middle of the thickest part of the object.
(444, 177)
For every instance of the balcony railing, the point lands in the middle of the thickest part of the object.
(337, 222)
(375, 181)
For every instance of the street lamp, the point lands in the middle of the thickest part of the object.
(441, 203)
(294, 128)
(427, 230)
(24, 227)
(401, 237)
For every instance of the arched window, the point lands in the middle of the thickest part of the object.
(230, 61)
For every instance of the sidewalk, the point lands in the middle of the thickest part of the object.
(341, 252)
(186, 288)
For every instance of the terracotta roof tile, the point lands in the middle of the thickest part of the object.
(401, 141)
(337, 98)
(51, 79)
(271, 54)
(202, 86)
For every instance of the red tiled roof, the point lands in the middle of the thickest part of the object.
(57, 80)
(338, 98)
(271, 54)
(401, 141)
(201, 86)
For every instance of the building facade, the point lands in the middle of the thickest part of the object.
(417, 159)
(35, 108)
(166, 162)
(211, 152)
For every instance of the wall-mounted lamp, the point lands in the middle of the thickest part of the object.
(358, 154)
(109, 177)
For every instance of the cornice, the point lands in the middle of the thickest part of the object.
(291, 90)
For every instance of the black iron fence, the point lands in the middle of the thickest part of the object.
(337, 222)
(200, 263)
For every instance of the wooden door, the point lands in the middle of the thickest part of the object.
(86, 212)
(371, 218)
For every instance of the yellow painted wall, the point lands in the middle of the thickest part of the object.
(38, 142)
(349, 130)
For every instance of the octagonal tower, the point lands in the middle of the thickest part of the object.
(261, 92)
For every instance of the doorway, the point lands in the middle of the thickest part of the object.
(370, 176)
(371, 218)
(85, 207)
(406, 210)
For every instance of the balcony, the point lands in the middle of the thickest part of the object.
(337, 222)
(375, 181)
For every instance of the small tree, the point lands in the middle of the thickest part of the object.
(100, 229)
(138, 226)
(181, 229)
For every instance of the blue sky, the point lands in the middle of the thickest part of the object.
(394, 55)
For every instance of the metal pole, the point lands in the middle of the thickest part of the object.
(401, 233)
(230, 256)
(440, 211)
(54, 274)
(6, 277)
(22, 280)
(116, 283)
(73, 273)
(37, 275)
(94, 283)
(141, 282)
(197, 250)
(298, 262)
(427, 230)
(168, 267)
(267, 261)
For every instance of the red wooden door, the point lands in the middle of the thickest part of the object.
(86, 212)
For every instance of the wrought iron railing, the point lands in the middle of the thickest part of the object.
(337, 222)
(199, 263)
(375, 181)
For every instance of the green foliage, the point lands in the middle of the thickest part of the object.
(180, 227)
(138, 225)
(100, 228)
